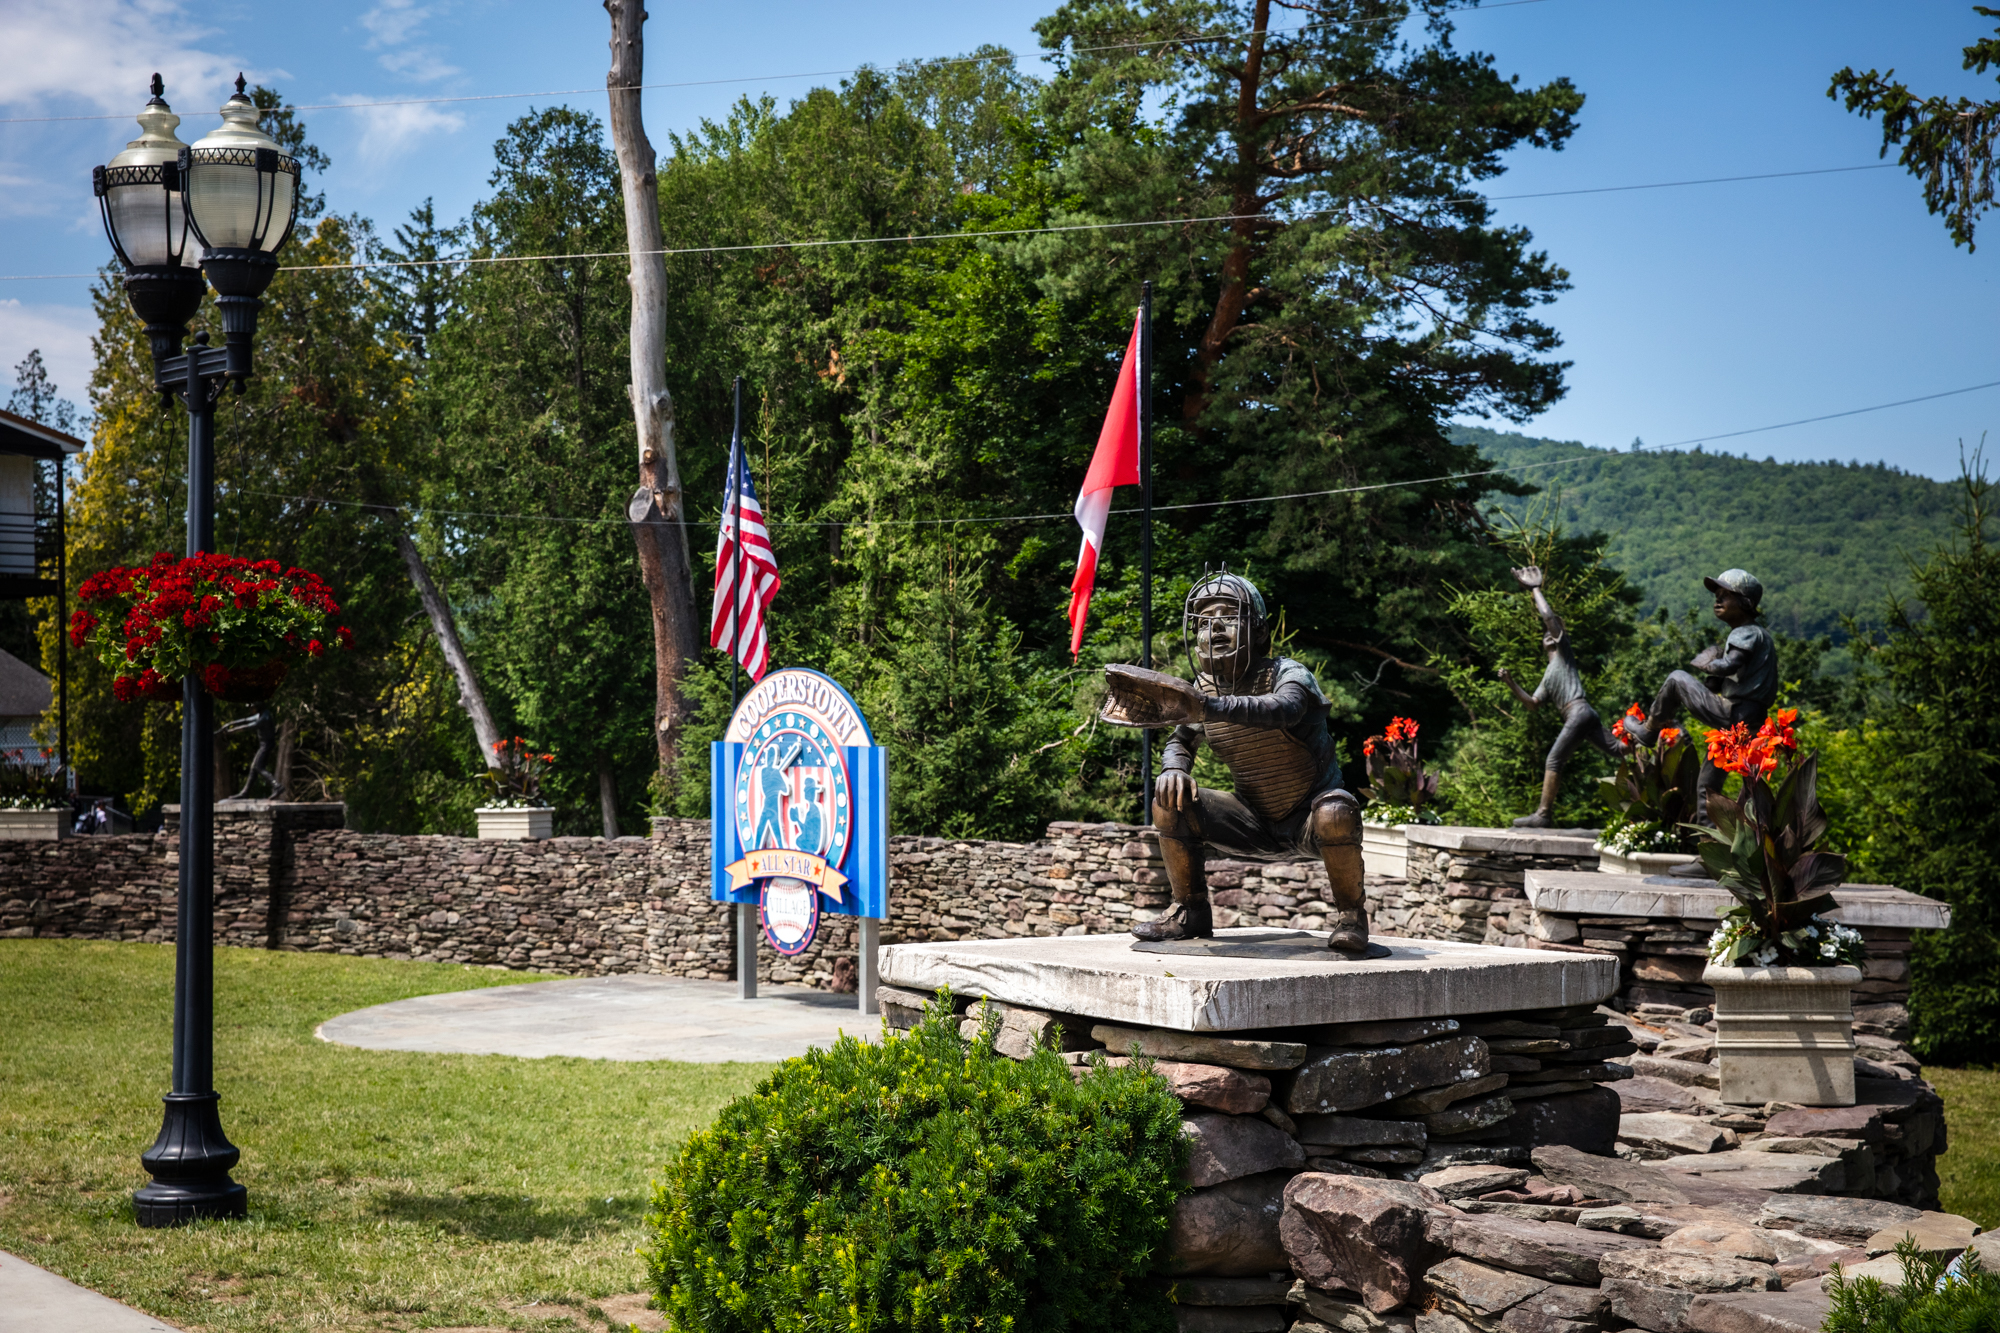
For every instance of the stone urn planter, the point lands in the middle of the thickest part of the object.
(33, 825)
(518, 822)
(1785, 1034)
(1613, 862)
(1385, 850)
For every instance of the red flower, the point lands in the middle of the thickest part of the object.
(1669, 736)
(1636, 713)
(315, 647)
(1368, 746)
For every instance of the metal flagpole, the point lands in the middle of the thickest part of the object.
(746, 913)
(1145, 387)
(736, 555)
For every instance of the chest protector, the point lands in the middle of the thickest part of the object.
(1274, 769)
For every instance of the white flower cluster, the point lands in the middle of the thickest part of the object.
(1829, 943)
(1640, 837)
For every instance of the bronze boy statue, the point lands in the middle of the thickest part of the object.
(1744, 669)
(1561, 688)
(1265, 718)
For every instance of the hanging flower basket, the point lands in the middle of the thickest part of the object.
(236, 625)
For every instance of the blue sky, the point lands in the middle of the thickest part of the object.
(1695, 311)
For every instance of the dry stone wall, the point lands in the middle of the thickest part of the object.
(289, 876)
(1501, 1173)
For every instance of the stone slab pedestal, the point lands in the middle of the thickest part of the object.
(1587, 893)
(1251, 978)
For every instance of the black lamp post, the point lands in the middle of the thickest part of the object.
(234, 194)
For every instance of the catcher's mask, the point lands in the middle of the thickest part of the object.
(1245, 621)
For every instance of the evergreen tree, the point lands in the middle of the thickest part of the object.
(1947, 142)
(1935, 814)
(1357, 296)
(526, 389)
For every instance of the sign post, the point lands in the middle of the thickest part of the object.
(799, 813)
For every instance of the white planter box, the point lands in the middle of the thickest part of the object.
(33, 825)
(519, 822)
(1785, 1034)
(1638, 863)
(1384, 850)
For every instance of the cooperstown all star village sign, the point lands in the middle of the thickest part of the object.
(800, 808)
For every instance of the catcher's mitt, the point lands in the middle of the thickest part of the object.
(1142, 698)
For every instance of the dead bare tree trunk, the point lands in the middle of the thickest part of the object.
(658, 510)
(607, 795)
(470, 696)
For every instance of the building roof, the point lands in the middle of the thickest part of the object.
(19, 435)
(24, 691)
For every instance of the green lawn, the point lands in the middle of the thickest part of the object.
(1970, 1169)
(387, 1190)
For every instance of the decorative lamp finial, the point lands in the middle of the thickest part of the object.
(159, 87)
(239, 83)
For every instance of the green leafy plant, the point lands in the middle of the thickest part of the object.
(1653, 791)
(1397, 786)
(924, 1183)
(1935, 1296)
(1762, 850)
(517, 778)
(26, 784)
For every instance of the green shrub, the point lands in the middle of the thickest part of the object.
(924, 1183)
(1967, 1303)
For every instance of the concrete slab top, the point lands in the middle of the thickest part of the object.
(1515, 841)
(1251, 978)
(1588, 893)
(628, 1017)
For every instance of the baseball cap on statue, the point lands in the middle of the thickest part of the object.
(1739, 581)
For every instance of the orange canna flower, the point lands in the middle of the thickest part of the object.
(1636, 713)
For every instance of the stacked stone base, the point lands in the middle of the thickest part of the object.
(1531, 1171)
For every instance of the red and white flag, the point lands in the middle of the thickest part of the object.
(737, 625)
(1116, 463)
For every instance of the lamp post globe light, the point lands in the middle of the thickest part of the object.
(233, 196)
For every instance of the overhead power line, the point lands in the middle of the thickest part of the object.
(806, 74)
(1158, 508)
(982, 235)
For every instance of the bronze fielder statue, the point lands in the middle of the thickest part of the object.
(1561, 688)
(1265, 718)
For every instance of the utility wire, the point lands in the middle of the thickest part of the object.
(926, 62)
(1011, 231)
(1158, 508)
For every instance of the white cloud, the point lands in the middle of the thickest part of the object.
(104, 53)
(387, 132)
(392, 24)
(62, 333)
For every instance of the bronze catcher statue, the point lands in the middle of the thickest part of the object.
(1265, 718)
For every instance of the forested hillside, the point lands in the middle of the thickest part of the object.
(1828, 539)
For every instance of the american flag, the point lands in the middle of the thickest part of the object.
(759, 564)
